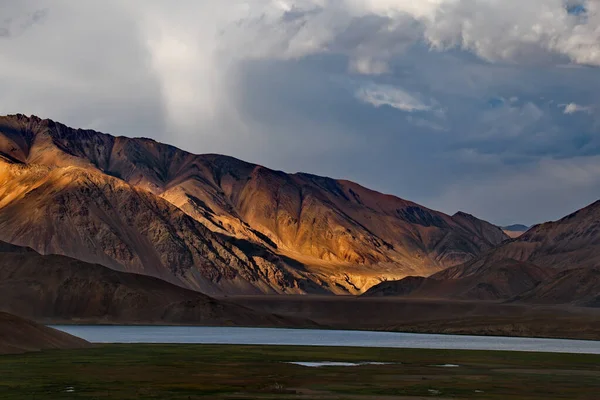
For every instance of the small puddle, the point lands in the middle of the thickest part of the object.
(447, 365)
(316, 364)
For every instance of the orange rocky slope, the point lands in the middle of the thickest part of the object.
(214, 223)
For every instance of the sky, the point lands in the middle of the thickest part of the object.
(491, 107)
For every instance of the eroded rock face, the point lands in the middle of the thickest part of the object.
(214, 223)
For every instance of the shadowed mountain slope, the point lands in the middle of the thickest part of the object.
(214, 223)
(571, 242)
(552, 263)
(477, 280)
(18, 335)
(59, 288)
(580, 287)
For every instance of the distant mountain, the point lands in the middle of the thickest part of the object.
(214, 223)
(20, 336)
(58, 288)
(515, 228)
(514, 231)
(552, 263)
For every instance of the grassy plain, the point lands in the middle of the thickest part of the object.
(261, 372)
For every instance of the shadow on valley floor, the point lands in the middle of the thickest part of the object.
(433, 316)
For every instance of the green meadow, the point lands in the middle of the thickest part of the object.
(263, 372)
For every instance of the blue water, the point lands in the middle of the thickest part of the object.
(312, 337)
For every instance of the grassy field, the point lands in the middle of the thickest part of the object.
(261, 372)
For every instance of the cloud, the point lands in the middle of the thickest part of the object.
(550, 184)
(19, 23)
(385, 95)
(542, 31)
(367, 66)
(455, 91)
(573, 108)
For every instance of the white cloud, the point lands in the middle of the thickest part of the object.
(490, 28)
(386, 95)
(368, 66)
(193, 46)
(573, 108)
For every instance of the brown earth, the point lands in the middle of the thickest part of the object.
(480, 279)
(55, 288)
(214, 223)
(18, 335)
(434, 315)
(580, 287)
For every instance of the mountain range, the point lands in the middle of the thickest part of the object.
(97, 228)
(212, 223)
(552, 263)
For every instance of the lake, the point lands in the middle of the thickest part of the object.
(313, 337)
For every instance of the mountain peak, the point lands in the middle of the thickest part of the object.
(464, 215)
(213, 222)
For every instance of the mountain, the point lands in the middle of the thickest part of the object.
(514, 231)
(579, 287)
(19, 336)
(552, 263)
(481, 279)
(58, 288)
(213, 223)
(571, 242)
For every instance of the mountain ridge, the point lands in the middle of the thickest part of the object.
(53, 288)
(284, 233)
(555, 262)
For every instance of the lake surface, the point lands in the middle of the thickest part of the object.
(313, 337)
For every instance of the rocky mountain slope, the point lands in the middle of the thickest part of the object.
(477, 280)
(579, 287)
(552, 263)
(20, 336)
(214, 223)
(571, 242)
(57, 288)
